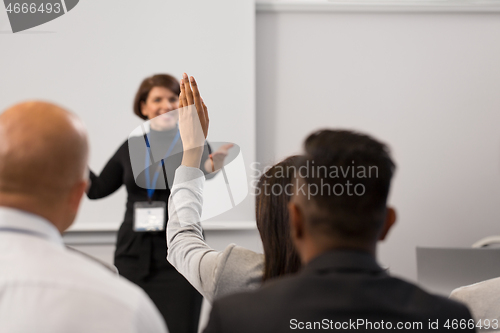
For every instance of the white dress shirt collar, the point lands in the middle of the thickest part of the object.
(19, 221)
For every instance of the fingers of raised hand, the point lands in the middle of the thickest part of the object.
(187, 89)
(182, 97)
(194, 86)
(190, 95)
(197, 101)
(205, 110)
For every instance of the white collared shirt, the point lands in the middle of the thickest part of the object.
(45, 288)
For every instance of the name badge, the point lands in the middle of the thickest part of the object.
(149, 216)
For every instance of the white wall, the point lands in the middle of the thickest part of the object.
(425, 83)
(92, 60)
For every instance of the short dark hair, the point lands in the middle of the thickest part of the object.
(157, 80)
(271, 213)
(363, 162)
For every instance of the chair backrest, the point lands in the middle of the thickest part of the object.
(489, 242)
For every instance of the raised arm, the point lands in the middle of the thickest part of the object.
(209, 271)
(187, 250)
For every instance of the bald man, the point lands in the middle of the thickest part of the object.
(43, 286)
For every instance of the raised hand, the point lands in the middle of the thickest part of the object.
(193, 121)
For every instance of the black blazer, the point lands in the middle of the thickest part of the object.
(342, 288)
(140, 254)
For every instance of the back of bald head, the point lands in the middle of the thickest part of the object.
(43, 151)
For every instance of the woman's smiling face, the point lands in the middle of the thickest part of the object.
(161, 108)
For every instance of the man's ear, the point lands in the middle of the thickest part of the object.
(390, 220)
(76, 194)
(296, 223)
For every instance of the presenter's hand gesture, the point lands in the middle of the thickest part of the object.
(220, 155)
(193, 121)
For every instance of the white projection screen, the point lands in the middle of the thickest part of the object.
(92, 59)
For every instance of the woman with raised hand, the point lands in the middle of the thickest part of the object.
(214, 273)
(140, 255)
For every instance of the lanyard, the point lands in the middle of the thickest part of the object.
(151, 186)
(23, 231)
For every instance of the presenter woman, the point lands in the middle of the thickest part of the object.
(140, 255)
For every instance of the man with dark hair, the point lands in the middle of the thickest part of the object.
(338, 213)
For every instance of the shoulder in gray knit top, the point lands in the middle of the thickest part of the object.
(214, 274)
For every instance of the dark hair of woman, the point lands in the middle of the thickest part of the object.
(280, 256)
(158, 80)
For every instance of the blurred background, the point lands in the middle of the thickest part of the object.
(424, 77)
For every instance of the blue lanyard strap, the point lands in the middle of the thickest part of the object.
(151, 185)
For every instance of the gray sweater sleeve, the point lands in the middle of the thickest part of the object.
(212, 273)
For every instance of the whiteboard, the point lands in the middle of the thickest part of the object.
(92, 59)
